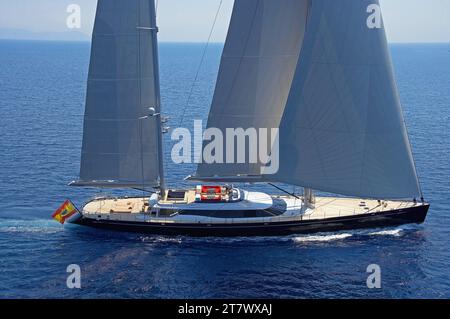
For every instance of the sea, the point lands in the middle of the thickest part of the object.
(42, 93)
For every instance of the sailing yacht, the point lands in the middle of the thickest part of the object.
(315, 70)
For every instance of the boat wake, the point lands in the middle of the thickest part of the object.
(299, 239)
(321, 238)
(360, 234)
(160, 239)
(44, 226)
(47, 226)
(394, 232)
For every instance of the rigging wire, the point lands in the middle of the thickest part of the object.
(283, 190)
(413, 158)
(205, 49)
(144, 190)
(294, 190)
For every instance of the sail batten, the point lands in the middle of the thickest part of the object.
(120, 140)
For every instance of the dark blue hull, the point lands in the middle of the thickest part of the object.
(413, 215)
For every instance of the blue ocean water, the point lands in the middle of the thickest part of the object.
(42, 90)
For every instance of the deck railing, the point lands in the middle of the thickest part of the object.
(319, 212)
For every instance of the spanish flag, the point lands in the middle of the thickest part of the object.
(66, 211)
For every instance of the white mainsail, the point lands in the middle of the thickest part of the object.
(257, 66)
(342, 129)
(120, 142)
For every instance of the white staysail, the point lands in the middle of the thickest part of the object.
(257, 67)
(342, 129)
(120, 142)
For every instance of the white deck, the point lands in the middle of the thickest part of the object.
(136, 209)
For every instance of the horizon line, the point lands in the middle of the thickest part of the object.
(193, 42)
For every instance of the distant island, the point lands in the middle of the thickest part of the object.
(22, 34)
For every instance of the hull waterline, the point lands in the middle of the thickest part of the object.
(411, 215)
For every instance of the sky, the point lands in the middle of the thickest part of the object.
(191, 20)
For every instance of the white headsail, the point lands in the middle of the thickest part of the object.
(342, 129)
(258, 63)
(120, 142)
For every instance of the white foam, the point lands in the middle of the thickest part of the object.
(161, 239)
(321, 238)
(29, 226)
(393, 232)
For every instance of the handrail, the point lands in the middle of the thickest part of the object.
(293, 214)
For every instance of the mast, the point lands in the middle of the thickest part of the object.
(309, 198)
(159, 126)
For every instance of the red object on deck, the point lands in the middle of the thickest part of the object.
(211, 193)
(211, 198)
(212, 189)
